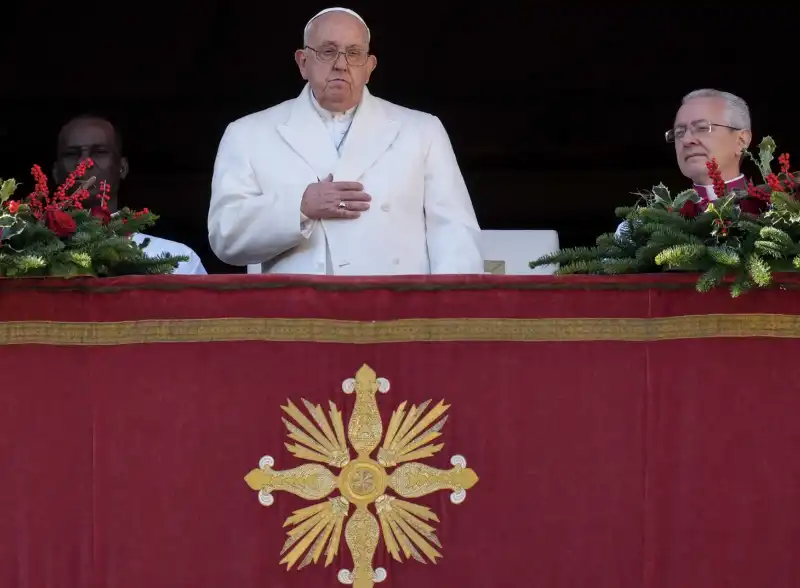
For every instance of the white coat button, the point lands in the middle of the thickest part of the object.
(385, 207)
(396, 261)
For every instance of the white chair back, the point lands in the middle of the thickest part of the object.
(510, 252)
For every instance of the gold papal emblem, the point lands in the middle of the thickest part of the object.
(362, 481)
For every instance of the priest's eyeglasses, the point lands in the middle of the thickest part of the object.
(697, 127)
(354, 57)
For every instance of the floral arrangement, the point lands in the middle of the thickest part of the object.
(744, 236)
(53, 234)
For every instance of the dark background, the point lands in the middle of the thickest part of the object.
(556, 112)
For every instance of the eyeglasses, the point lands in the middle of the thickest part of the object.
(354, 57)
(697, 127)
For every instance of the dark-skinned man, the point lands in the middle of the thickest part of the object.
(90, 136)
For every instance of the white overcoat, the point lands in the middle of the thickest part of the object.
(421, 219)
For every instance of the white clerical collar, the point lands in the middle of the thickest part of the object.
(711, 186)
(327, 114)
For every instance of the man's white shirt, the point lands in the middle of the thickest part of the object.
(158, 246)
(338, 125)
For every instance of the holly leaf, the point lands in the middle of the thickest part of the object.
(10, 226)
(662, 196)
(684, 197)
(766, 151)
(7, 188)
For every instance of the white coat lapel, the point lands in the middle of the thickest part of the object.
(305, 132)
(370, 135)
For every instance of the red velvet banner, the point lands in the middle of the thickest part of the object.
(625, 433)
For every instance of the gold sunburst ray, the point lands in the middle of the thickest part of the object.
(318, 442)
(403, 527)
(406, 527)
(314, 528)
(409, 435)
(415, 449)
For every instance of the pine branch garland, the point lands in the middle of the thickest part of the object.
(54, 235)
(721, 239)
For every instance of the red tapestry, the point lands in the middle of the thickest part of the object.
(624, 433)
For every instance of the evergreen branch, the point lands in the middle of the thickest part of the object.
(770, 249)
(613, 267)
(625, 211)
(778, 236)
(568, 256)
(671, 235)
(758, 270)
(724, 255)
(581, 266)
(749, 228)
(741, 285)
(680, 255)
(712, 278)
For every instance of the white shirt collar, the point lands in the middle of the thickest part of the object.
(736, 179)
(327, 115)
(709, 188)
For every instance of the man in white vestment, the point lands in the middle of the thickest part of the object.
(338, 181)
(89, 136)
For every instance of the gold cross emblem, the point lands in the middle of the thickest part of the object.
(362, 482)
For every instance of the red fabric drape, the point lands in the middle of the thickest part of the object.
(657, 463)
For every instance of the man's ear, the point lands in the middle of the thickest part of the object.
(300, 58)
(123, 168)
(372, 63)
(745, 137)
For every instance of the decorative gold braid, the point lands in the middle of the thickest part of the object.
(399, 331)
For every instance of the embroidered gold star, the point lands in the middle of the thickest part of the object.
(362, 482)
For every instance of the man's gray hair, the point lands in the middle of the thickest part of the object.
(307, 30)
(737, 112)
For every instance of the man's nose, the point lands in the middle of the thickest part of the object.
(84, 154)
(341, 62)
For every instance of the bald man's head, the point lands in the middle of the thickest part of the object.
(335, 60)
(92, 137)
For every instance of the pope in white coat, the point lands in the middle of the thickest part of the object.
(337, 181)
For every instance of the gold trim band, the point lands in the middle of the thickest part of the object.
(399, 331)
